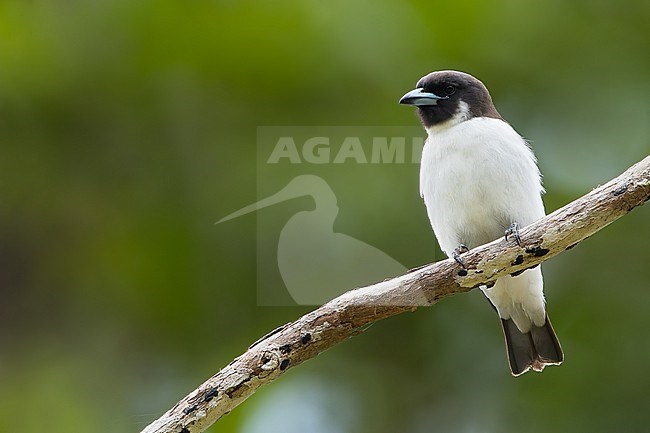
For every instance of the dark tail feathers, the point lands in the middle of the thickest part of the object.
(533, 350)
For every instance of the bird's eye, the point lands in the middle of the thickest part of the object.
(449, 90)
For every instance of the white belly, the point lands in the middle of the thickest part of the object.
(477, 177)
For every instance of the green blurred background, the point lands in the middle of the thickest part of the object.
(129, 127)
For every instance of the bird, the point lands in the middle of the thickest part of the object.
(315, 262)
(479, 180)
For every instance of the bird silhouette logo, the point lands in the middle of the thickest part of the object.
(315, 262)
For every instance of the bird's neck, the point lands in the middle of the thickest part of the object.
(462, 114)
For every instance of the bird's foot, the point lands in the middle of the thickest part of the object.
(513, 231)
(457, 252)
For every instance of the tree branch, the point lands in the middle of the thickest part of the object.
(349, 314)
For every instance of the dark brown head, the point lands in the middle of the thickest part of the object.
(450, 96)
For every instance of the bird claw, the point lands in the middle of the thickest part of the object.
(457, 252)
(513, 231)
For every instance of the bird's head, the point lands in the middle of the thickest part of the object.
(446, 98)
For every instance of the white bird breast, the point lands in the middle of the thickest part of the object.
(477, 177)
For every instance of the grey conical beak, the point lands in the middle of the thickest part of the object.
(419, 98)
